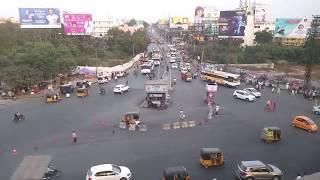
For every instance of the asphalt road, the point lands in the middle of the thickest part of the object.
(236, 132)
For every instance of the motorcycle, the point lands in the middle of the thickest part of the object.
(52, 172)
(18, 118)
(102, 91)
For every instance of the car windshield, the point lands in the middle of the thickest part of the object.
(89, 173)
(253, 90)
(116, 169)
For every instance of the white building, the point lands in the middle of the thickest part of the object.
(101, 26)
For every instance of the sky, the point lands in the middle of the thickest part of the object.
(152, 10)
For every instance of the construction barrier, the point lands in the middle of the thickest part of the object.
(192, 123)
(184, 124)
(166, 126)
(132, 127)
(176, 125)
(143, 128)
(122, 125)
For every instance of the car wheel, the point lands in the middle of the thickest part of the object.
(247, 99)
(250, 178)
(276, 178)
(235, 96)
(123, 178)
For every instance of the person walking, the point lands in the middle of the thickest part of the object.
(217, 109)
(127, 82)
(74, 137)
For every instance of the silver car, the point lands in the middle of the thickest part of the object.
(254, 170)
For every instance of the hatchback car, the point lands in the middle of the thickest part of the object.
(253, 91)
(305, 123)
(240, 94)
(120, 88)
(174, 66)
(109, 172)
(254, 170)
(316, 110)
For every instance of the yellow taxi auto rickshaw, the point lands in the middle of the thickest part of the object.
(82, 92)
(211, 157)
(270, 134)
(176, 173)
(51, 98)
(131, 118)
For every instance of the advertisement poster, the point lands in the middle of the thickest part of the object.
(39, 18)
(232, 23)
(292, 28)
(260, 14)
(78, 24)
(198, 15)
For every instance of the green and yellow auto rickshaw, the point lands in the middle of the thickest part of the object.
(271, 134)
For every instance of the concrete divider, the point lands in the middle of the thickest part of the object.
(166, 126)
(176, 125)
(122, 125)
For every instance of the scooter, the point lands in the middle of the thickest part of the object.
(18, 118)
(52, 172)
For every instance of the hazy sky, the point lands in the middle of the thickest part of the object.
(152, 10)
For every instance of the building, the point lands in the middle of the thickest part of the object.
(131, 29)
(103, 25)
(179, 22)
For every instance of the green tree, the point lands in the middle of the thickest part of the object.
(132, 22)
(263, 37)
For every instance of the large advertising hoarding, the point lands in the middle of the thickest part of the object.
(260, 13)
(232, 24)
(178, 21)
(77, 24)
(291, 28)
(39, 18)
(210, 21)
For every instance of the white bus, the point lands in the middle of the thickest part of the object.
(220, 77)
(147, 67)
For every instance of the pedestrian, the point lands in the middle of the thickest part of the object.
(74, 137)
(274, 107)
(217, 109)
(116, 78)
(272, 90)
(127, 82)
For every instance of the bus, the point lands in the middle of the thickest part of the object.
(220, 77)
(147, 67)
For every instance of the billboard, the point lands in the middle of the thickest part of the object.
(232, 23)
(179, 21)
(77, 24)
(198, 15)
(291, 28)
(260, 13)
(39, 18)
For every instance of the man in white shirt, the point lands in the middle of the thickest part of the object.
(52, 18)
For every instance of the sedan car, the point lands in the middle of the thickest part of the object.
(316, 110)
(240, 94)
(252, 170)
(109, 172)
(174, 66)
(253, 91)
(120, 88)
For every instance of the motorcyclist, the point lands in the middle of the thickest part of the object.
(174, 81)
(18, 116)
(181, 114)
(102, 91)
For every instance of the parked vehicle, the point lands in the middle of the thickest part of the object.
(305, 123)
(174, 66)
(253, 91)
(254, 170)
(120, 88)
(240, 94)
(109, 172)
(102, 79)
(82, 92)
(211, 157)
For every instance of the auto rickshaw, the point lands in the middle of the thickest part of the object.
(131, 118)
(82, 92)
(176, 173)
(270, 134)
(211, 157)
(51, 98)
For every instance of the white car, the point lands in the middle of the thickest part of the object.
(240, 94)
(253, 91)
(172, 59)
(168, 55)
(316, 110)
(109, 172)
(156, 63)
(188, 66)
(184, 70)
(174, 66)
(120, 88)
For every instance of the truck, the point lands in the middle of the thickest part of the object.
(211, 90)
(186, 76)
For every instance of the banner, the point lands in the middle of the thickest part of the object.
(179, 20)
(39, 18)
(291, 28)
(78, 24)
(232, 23)
(260, 13)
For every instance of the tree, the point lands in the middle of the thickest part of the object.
(132, 22)
(263, 37)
